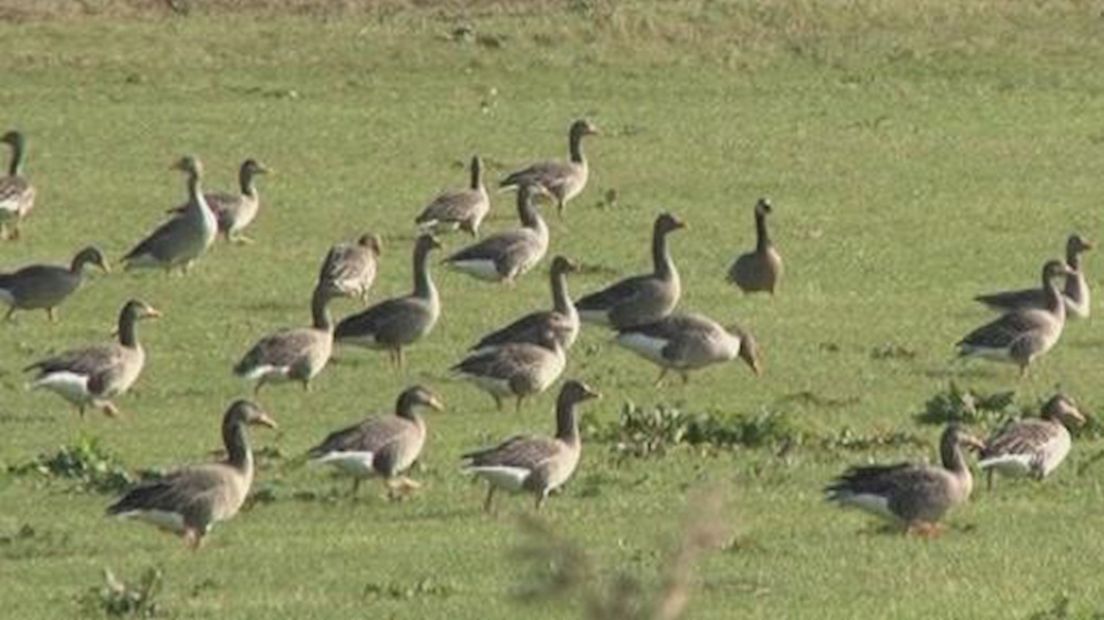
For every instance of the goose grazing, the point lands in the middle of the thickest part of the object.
(234, 212)
(537, 465)
(400, 321)
(1075, 294)
(44, 287)
(383, 447)
(562, 320)
(505, 256)
(915, 496)
(349, 270)
(463, 209)
(94, 375)
(517, 369)
(640, 299)
(17, 195)
(1024, 334)
(184, 238)
(1035, 447)
(191, 500)
(685, 342)
(563, 179)
(292, 354)
(760, 269)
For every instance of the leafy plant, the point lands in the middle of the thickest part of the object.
(118, 599)
(848, 439)
(425, 586)
(968, 406)
(86, 462)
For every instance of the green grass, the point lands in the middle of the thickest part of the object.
(916, 153)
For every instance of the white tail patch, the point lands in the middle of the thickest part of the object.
(646, 346)
(868, 502)
(164, 519)
(484, 269)
(71, 386)
(7, 297)
(355, 463)
(1014, 465)
(267, 372)
(502, 476)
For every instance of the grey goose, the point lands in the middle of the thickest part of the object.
(515, 369)
(686, 342)
(1034, 447)
(349, 269)
(505, 256)
(761, 269)
(297, 354)
(461, 209)
(235, 212)
(45, 287)
(563, 179)
(562, 320)
(17, 195)
(1075, 294)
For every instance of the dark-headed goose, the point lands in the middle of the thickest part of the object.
(505, 256)
(563, 179)
(292, 354)
(1036, 447)
(562, 320)
(1075, 294)
(463, 209)
(17, 195)
(760, 269)
(685, 342)
(44, 287)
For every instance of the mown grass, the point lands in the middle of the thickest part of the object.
(917, 154)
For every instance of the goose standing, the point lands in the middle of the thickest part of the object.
(505, 256)
(915, 496)
(563, 179)
(1075, 294)
(639, 299)
(292, 354)
(400, 321)
(45, 287)
(349, 270)
(184, 238)
(17, 195)
(234, 212)
(94, 375)
(463, 209)
(382, 447)
(191, 500)
(1022, 335)
(685, 342)
(537, 465)
(562, 320)
(517, 369)
(1035, 447)
(760, 269)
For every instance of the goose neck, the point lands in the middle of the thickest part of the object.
(320, 311)
(247, 182)
(128, 329)
(762, 237)
(561, 299)
(575, 148)
(15, 166)
(423, 285)
(661, 256)
(567, 422)
(1054, 302)
(238, 453)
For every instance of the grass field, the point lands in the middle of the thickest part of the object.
(916, 154)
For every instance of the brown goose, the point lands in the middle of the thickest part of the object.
(17, 195)
(1025, 334)
(1075, 294)
(191, 500)
(639, 299)
(518, 369)
(463, 209)
(234, 212)
(505, 256)
(915, 496)
(400, 321)
(1035, 447)
(537, 465)
(685, 342)
(349, 270)
(562, 320)
(382, 447)
(292, 354)
(44, 287)
(760, 269)
(95, 375)
(563, 179)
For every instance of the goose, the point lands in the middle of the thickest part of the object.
(17, 195)
(189, 501)
(537, 465)
(45, 287)
(297, 354)
(1035, 447)
(685, 342)
(184, 238)
(1021, 336)
(463, 209)
(760, 269)
(505, 256)
(1075, 294)
(639, 299)
(400, 321)
(381, 446)
(563, 179)
(349, 270)
(913, 495)
(96, 374)
(517, 369)
(234, 212)
(562, 319)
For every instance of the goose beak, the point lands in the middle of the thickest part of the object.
(595, 394)
(105, 266)
(264, 420)
(973, 442)
(436, 404)
(152, 313)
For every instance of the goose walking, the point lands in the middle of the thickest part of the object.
(562, 320)
(400, 321)
(463, 209)
(915, 496)
(537, 465)
(563, 179)
(505, 256)
(1032, 447)
(292, 354)
(17, 195)
(95, 375)
(640, 299)
(191, 500)
(383, 447)
(686, 342)
(516, 369)
(45, 287)
(760, 269)
(235, 212)
(349, 270)
(1075, 294)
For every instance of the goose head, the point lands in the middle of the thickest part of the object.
(372, 242)
(248, 413)
(1077, 244)
(749, 349)
(529, 192)
(574, 392)
(419, 396)
(583, 127)
(136, 309)
(425, 243)
(91, 255)
(562, 264)
(189, 164)
(955, 436)
(251, 167)
(666, 223)
(1056, 269)
(13, 138)
(763, 207)
(1063, 409)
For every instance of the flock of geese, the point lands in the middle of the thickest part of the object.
(517, 361)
